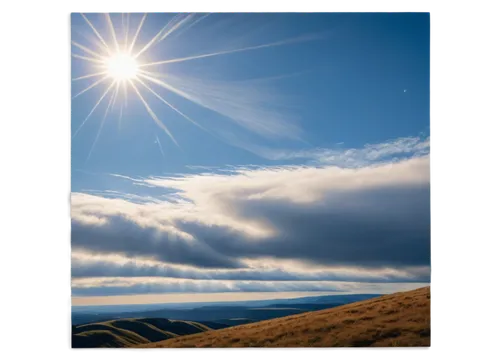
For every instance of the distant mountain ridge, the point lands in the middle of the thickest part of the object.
(219, 311)
(186, 305)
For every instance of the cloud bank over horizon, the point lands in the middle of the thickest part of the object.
(257, 229)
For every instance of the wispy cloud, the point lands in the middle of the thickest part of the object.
(392, 150)
(124, 196)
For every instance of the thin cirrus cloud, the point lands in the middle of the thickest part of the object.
(395, 149)
(293, 226)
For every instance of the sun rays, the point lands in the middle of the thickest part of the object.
(116, 65)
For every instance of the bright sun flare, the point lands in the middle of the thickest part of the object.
(122, 66)
(117, 65)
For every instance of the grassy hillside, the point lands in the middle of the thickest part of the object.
(396, 320)
(130, 332)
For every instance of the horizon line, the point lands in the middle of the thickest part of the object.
(196, 297)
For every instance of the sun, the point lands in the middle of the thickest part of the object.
(119, 64)
(122, 66)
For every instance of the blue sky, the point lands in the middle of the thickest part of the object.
(333, 96)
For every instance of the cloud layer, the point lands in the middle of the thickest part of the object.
(249, 229)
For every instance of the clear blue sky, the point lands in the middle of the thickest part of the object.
(348, 89)
(364, 79)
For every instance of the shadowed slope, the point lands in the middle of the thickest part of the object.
(130, 332)
(400, 319)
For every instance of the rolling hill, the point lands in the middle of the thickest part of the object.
(130, 332)
(395, 320)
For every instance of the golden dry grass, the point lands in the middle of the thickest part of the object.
(396, 320)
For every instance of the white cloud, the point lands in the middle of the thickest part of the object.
(91, 264)
(286, 224)
(293, 184)
(144, 285)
